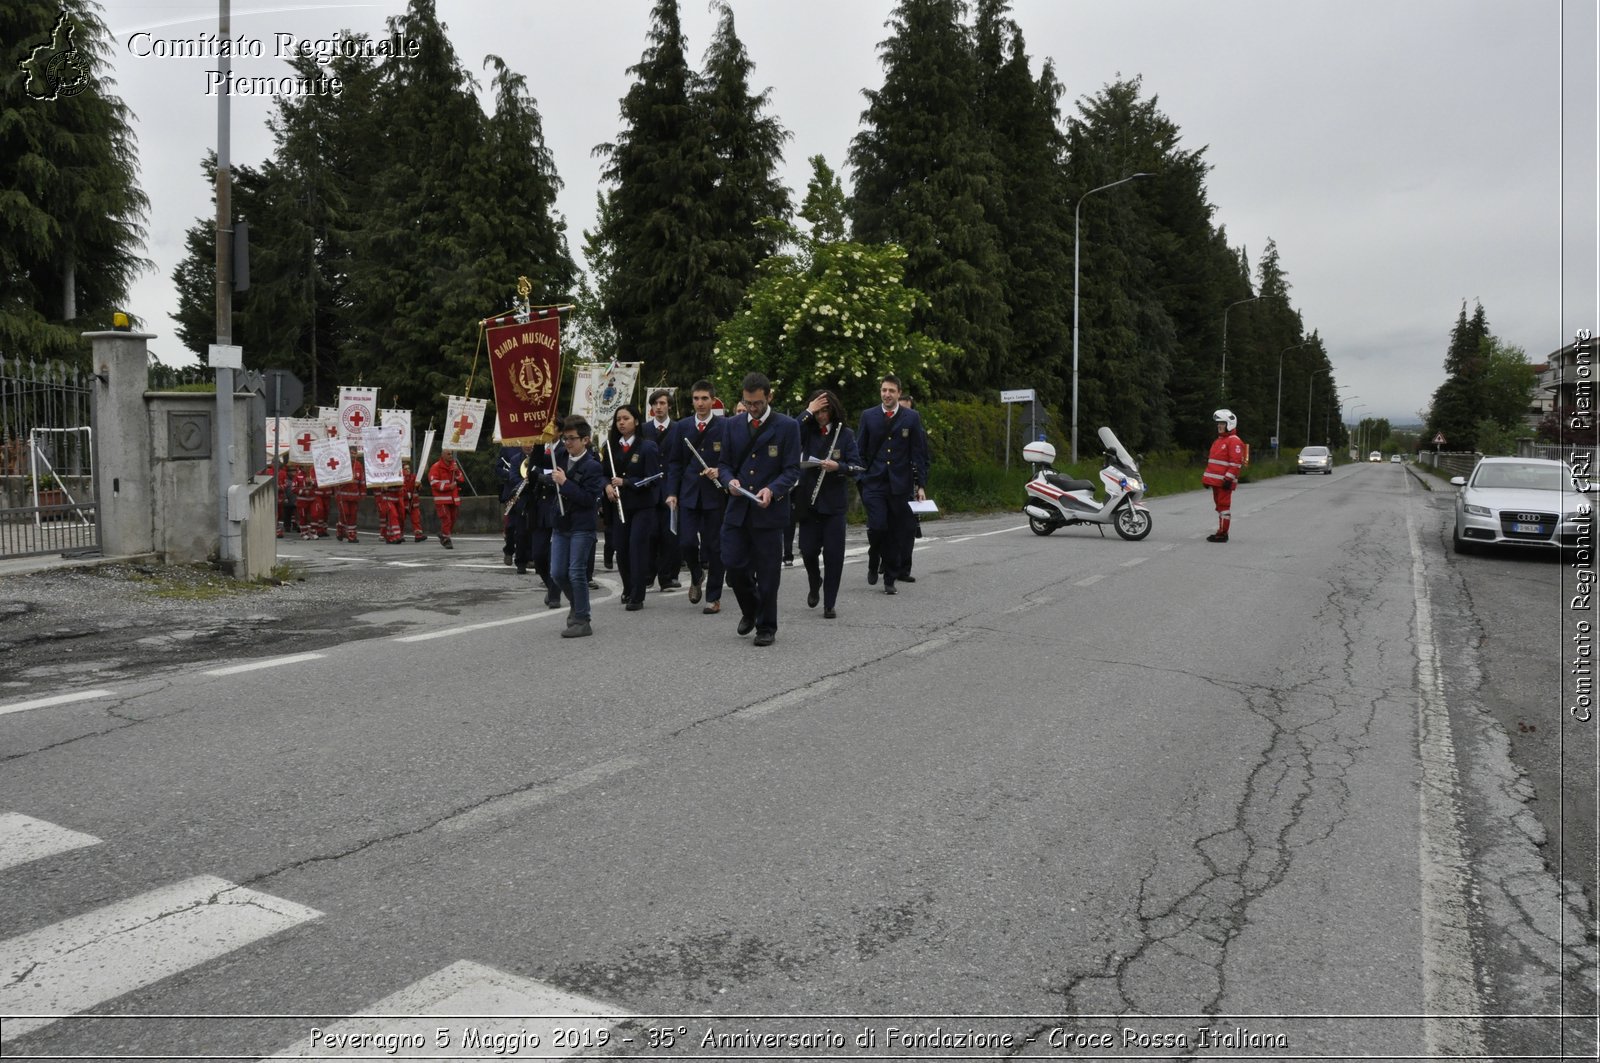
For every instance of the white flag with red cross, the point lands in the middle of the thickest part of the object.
(358, 411)
(328, 418)
(463, 423)
(400, 419)
(382, 453)
(303, 431)
(330, 460)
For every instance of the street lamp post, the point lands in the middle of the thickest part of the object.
(1225, 310)
(1309, 385)
(1075, 220)
(1277, 422)
(1355, 427)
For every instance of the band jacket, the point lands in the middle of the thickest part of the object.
(648, 429)
(640, 462)
(684, 477)
(1227, 458)
(580, 495)
(897, 447)
(773, 463)
(539, 496)
(832, 498)
(509, 470)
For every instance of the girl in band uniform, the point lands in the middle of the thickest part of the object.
(633, 468)
(823, 435)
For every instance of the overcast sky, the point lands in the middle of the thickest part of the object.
(1404, 154)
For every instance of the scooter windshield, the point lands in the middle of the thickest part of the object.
(1108, 440)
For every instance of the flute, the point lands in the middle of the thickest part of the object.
(703, 464)
(817, 490)
(561, 506)
(611, 460)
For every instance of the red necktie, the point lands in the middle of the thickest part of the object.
(888, 415)
(627, 447)
(701, 426)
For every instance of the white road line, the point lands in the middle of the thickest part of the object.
(474, 564)
(1448, 984)
(87, 960)
(533, 797)
(270, 662)
(932, 644)
(467, 629)
(1134, 561)
(1169, 546)
(467, 989)
(1089, 581)
(24, 839)
(59, 699)
(792, 697)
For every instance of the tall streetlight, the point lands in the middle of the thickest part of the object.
(1354, 427)
(1309, 385)
(1075, 220)
(1230, 306)
(1277, 422)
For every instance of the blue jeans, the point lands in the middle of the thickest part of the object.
(570, 555)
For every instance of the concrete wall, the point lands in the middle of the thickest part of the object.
(185, 488)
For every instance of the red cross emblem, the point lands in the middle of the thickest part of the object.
(383, 456)
(462, 424)
(305, 441)
(333, 431)
(333, 463)
(356, 418)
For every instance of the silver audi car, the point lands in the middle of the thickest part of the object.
(1521, 502)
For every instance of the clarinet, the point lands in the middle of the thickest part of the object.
(612, 461)
(817, 490)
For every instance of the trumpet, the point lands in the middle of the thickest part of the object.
(523, 486)
(817, 490)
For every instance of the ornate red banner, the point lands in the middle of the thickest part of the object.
(525, 366)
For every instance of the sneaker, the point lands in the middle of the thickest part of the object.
(712, 609)
(421, 539)
(444, 541)
(507, 558)
(1217, 537)
(552, 601)
(578, 629)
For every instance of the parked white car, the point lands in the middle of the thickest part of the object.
(1520, 501)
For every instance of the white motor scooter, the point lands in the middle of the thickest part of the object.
(1055, 501)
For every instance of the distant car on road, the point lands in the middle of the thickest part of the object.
(1315, 459)
(1519, 502)
(1376, 455)
(1395, 459)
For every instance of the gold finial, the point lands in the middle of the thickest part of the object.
(524, 287)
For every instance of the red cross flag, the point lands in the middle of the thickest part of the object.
(383, 451)
(330, 461)
(303, 431)
(328, 418)
(358, 411)
(463, 423)
(400, 419)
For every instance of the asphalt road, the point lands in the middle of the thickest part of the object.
(1063, 796)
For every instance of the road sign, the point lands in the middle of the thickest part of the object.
(1438, 439)
(1021, 395)
(284, 392)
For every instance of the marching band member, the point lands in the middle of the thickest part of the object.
(444, 479)
(635, 485)
(695, 493)
(894, 451)
(348, 495)
(760, 464)
(821, 496)
(533, 517)
(507, 471)
(579, 481)
(665, 554)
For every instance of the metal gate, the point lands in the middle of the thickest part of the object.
(47, 503)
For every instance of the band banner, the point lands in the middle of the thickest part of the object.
(598, 390)
(463, 423)
(525, 367)
(301, 433)
(381, 452)
(328, 418)
(330, 460)
(400, 419)
(358, 411)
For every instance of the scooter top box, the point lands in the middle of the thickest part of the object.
(1039, 453)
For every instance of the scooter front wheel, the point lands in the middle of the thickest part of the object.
(1041, 527)
(1133, 524)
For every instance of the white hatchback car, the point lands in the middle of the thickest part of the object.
(1520, 501)
(1314, 459)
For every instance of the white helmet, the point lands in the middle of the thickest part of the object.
(1226, 417)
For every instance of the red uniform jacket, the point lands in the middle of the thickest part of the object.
(1227, 458)
(442, 479)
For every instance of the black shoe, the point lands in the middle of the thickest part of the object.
(764, 638)
(672, 585)
(908, 579)
(829, 614)
(634, 607)
(694, 594)
(888, 588)
(872, 574)
(814, 597)
(1218, 537)
(444, 541)
(507, 558)
(577, 629)
(747, 624)
(552, 601)
(522, 570)
(594, 585)
(788, 562)
(609, 565)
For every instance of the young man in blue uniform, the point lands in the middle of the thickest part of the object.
(579, 482)
(894, 449)
(697, 495)
(760, 465)
(658, 426)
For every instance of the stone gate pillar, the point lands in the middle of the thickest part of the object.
(124, 492)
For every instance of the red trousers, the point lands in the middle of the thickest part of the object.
(447, 511)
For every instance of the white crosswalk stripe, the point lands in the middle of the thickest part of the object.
(24, 839)
(459, 1000)
(82, 962)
